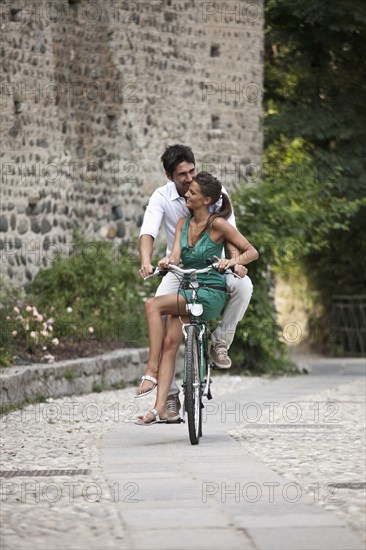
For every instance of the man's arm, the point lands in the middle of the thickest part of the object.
(233, 252)
(149, 231)
(247, 252)
(174, 257)
(146, 250)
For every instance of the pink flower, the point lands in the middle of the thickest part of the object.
(39, 318)
(28, 308)
(16, 310)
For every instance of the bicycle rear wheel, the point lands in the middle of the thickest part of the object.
(193, 394)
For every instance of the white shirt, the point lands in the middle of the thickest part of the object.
(165, 205)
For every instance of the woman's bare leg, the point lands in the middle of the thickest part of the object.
(171, 344)
(155, 308)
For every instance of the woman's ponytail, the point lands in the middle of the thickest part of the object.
(211, 187)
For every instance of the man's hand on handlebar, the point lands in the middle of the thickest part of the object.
(146, 270)
(240, 270)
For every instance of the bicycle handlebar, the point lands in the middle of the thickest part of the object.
(176, 269)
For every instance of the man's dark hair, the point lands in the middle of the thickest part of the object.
(174, 155)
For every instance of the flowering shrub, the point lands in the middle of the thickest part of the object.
(96, 297)
(33, 330)
(76, 301)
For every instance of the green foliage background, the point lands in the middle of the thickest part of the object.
(308, 214)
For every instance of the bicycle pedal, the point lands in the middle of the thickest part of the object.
(178, 421)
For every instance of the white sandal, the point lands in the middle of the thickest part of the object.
(150, 379)
(157, 420)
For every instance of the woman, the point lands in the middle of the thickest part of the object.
(197, 238)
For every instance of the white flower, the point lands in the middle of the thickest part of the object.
(69, 310)
(16, 310)
(14, 333)
(32, 334)
(55, 341)
(91, 330)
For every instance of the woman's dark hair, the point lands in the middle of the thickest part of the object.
(211, 187)
(174, 155)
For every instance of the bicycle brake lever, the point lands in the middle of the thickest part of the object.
(156, 273)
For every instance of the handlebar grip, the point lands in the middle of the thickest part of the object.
(159, 271)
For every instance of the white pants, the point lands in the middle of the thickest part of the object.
(239, 291)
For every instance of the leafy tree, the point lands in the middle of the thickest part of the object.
(287, 216)
(315, 89)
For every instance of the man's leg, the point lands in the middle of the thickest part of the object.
(240, 292)
(170, 285)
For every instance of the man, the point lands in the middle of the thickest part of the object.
(167, 205)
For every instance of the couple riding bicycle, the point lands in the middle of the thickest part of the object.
(198, 236)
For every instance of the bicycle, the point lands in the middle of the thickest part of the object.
(197, 368)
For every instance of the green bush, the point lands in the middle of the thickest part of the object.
(286, 216)
(95, 294)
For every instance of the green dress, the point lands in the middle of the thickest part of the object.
(212, 300)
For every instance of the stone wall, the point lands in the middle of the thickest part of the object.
(91, 94)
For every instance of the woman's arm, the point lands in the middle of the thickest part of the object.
(245, 253)
(176, 250)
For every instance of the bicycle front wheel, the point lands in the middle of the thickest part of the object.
(193, 392)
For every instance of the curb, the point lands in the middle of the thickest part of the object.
(355, 366)
(24, 384)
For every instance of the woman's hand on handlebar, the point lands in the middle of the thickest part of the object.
(223, 264)
(164, 263)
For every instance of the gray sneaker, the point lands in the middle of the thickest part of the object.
(173, 407)
(219, 356)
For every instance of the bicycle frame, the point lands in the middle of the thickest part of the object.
(205, 367)
(197, 368)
